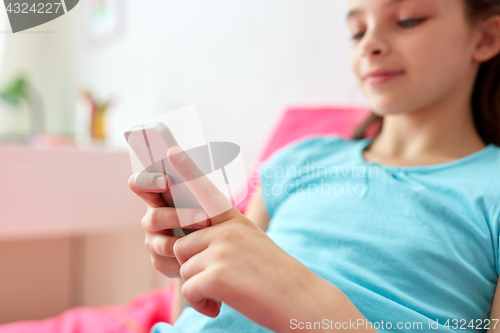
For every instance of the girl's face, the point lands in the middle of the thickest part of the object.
(422, 50)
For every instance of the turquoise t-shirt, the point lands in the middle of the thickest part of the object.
(409, 246)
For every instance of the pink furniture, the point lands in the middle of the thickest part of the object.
(141, 314)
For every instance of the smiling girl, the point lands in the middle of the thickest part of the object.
(417, 250)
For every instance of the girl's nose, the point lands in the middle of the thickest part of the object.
(374, 44)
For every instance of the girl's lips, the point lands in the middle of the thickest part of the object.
(379, 77)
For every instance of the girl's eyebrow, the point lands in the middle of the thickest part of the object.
(354, 12)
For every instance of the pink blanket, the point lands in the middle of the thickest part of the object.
(136, 317)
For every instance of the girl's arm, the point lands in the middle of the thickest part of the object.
(324, 299)
(495, 312)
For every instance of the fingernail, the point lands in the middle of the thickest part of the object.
(175, 152)
(161, 182)
(199, 217)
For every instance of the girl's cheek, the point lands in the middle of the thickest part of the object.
(422, 50)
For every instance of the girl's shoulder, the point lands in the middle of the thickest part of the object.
(313, 147)
(486, 171)
(484, 165)
(494, 153)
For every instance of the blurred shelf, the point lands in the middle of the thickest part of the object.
(64, 191)
(14, 139)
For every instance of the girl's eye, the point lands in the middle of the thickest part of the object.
(404, 23)
(358, 36)
(411, 22)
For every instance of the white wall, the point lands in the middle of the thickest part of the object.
(44, 55)
(240, 62)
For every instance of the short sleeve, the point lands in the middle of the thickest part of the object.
(279, 172)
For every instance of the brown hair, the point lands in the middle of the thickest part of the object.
(486, 93)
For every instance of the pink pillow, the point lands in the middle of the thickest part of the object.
(299, 123)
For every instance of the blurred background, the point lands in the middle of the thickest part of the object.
(69, 226)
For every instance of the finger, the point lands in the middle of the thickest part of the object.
(193, 266)
(167, 266)
(149, 186)
(162, 218)
(213, 201)
(152, 181)
(192, 244)
(194, 292)
(161, 245)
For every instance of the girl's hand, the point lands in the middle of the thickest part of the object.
(235, 262)
(160, 220)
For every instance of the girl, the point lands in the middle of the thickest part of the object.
(407, 241)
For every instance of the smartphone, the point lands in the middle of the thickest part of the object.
(150, 143)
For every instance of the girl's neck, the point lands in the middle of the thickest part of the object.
(440, 133)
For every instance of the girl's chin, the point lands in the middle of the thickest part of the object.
(383, 109)
(387, 104)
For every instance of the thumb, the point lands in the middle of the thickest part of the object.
(217, 206)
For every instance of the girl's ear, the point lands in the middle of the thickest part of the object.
(489, 43)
